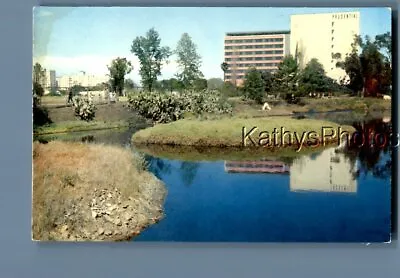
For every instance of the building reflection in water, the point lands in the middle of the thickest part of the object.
(327, 171)
(258, 166)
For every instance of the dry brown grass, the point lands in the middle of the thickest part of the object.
(66, 174)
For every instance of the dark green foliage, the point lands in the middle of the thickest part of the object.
(370, 69)
(200, 84)
(37, 89)
(117, 70)
(254, 86)
(38, 74)
(286, 77)
(167, 107)
(313, 79)
(189, 62)
(129, 84)
(151, 55)
(224, 67)
(268, 81)
(168, 85)
(230, 90)
(40, 114)
(215, 83)
(76, 89)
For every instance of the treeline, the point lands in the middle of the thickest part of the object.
(368, 68)
(152, 56)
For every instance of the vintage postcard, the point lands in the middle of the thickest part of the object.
(212, 124)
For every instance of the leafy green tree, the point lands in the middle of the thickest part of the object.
(189, 61)
(40, 114)
(200, 84)
(254, 85)
(117, 70)
(215, 83)
(369, 69)
(313, 78)
(151, 55)
(129, 84)
(384, 42)
(224, 67)
(38, 80)
(286, 77)
(76, 89)
(268, 80)
(168, 85)
(229, 90)
(38, 74)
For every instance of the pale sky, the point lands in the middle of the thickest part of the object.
(70, 40)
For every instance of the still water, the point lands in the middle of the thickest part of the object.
(322, 197)
(334, 195)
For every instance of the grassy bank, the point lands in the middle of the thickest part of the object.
(280, 107)
(75, 126)
(229, 132)
(92, 192)
(116, 115)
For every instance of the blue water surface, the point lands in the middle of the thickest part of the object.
(207, 204)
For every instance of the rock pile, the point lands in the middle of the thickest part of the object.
(107, 216)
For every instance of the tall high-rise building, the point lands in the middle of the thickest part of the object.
(262, 50)
(321, 36)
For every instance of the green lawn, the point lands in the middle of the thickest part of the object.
(248, 108)
(73, 126)
(231, 132)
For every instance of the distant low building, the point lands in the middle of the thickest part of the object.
(84, 80)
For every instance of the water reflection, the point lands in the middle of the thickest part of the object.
(328, 171)
(258, 166)
(345, 196)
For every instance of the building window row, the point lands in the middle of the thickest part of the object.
(244, 53)
(253, 65)
(242, 75)
(267, 46)
(267, 58)
(344, 16)
(254, 40)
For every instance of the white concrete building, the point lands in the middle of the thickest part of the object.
(85, 80)
(327, 171)
(322, 35)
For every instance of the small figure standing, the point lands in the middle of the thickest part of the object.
(69, 97)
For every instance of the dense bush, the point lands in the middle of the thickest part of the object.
(84, 108)
(254, 86)
(167, 107)
(40, 114)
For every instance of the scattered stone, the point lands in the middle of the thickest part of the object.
(118, 222)
(108, 233)
(125, 206)
(64, 228)
(108, 218)
(127, 216)
(94, 214)
(100, 231)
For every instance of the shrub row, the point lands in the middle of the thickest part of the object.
(167, 107)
